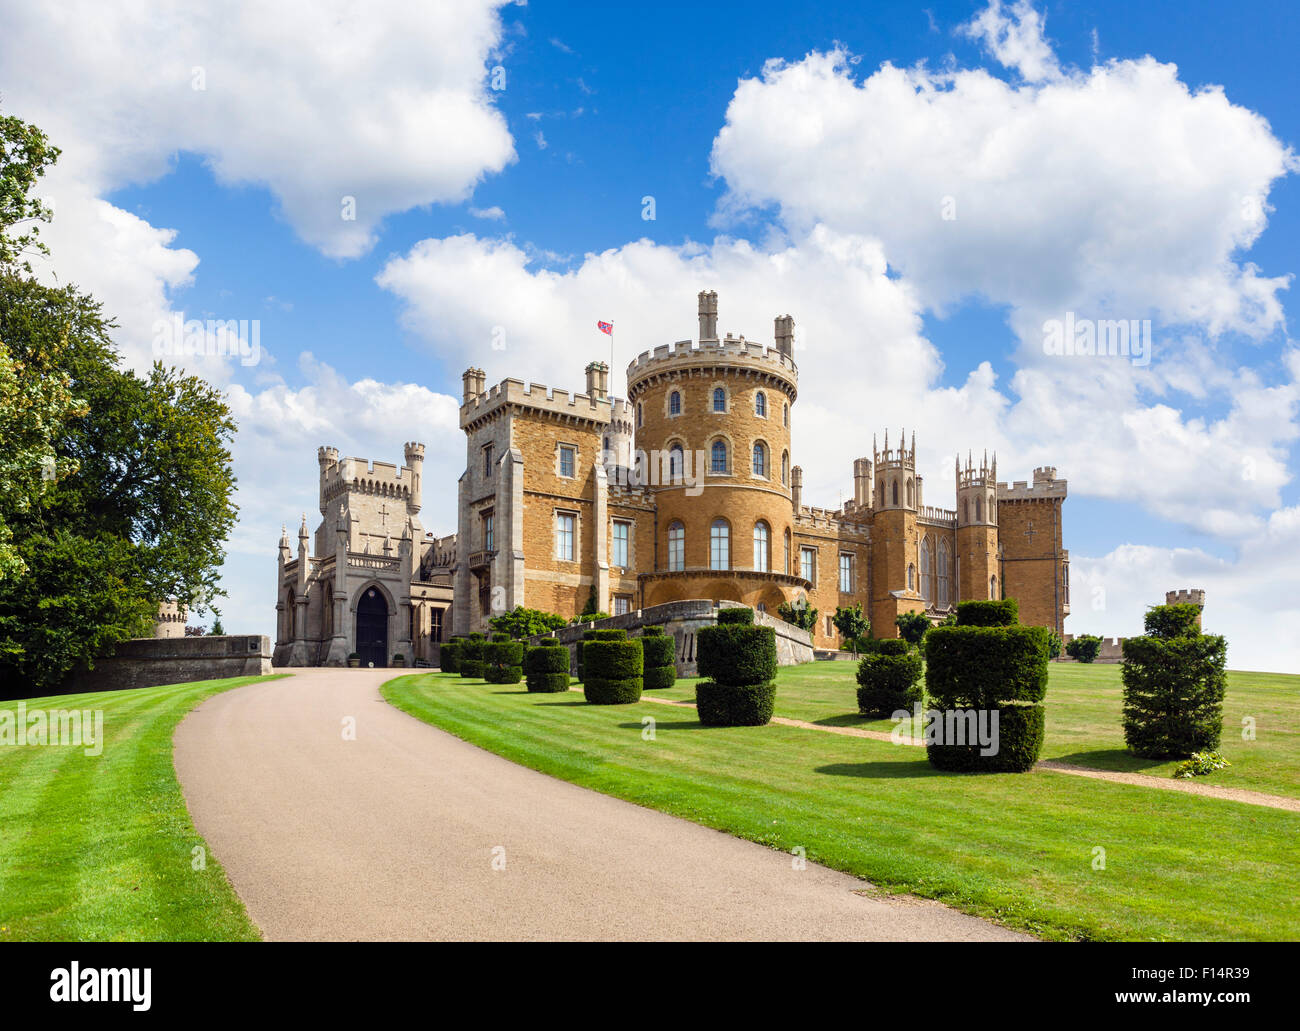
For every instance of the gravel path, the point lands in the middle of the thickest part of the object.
(401, 833)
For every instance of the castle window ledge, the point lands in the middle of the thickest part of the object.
(695, 572)
(361, 560)
(480, 559)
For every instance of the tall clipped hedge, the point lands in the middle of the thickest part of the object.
(988, 663)
(889, 680)
(471, 656)
(612, 671)
(609, 634)
(548, 667)
(739, 662)
(660, 658)
(1174, 683)
(449, 655)
(503, 661)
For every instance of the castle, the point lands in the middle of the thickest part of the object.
(684, 490)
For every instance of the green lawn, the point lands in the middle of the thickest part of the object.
(1083, 720)
(98, 848)
(1015, 847)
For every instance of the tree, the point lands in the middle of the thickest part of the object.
(217, 629)
(1084, 648)
(852, 625)
(1054, 645)
(139, 503)
(912, 626)
(800, 613)
(520, 622)
(25, 154)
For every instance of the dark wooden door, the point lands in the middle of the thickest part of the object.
(372, 629)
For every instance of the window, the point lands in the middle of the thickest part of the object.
(487, 460)
(846, 572)
(640, 413)
(488, 535)
(979, 509)
(675, 403)
(622, 604)
(786, 414)
(760, 405)
(911, 577)
(786, 567)
(676, 463)
(621, 533)
(568, 461)
(808, 564)
(830, 627)
(909, 493)
(785, 468)
(435, 625)
(944, 563)
(760, 460)
(719, 545)
(993, 587)
(719, 399)
(676, 547)
(927, 568)
(718, 457)
(566, 526)
(762, 536)
(761, 607)
(895, 492)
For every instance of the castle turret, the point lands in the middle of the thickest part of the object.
(977, 531)
(895, 474)
(796, 487)
(708, 315)
(414, 455)
(598, 380)
(475, 383)
(862, 482)
(1191, 596)
(785, 334)
(896, 562)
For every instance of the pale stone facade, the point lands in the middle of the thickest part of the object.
(373, 581)
(567, 499)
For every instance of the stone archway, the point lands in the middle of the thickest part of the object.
(372, 628)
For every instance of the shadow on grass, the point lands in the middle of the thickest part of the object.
(668, 725)
(880, 770)
(848, 719)
(525, 691)
(1119, 759)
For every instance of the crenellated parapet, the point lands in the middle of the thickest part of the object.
(1045, 486)
(734, 355)
(366, 477)
(514, 395)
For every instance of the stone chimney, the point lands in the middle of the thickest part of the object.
(475, 381)
(785, 335)
(861, 480)
(598, 381)
(708, 315)
(796, 488)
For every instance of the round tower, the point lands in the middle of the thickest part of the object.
(620, 436)
(414, 455)
(713, 420)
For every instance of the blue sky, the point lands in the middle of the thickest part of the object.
(633, 102)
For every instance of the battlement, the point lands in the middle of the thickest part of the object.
(901, 457)
(738, 350)
(1192, 596)
(814, 517)
(536, 397)
(983, 475)
(1043, 488)
(362, 475)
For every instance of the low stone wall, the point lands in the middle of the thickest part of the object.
(682, 620)
(1112, 649)
(150, 661)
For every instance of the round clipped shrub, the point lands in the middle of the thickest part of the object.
(660, 659)
(1020, 740)
(503, 662)
(734, 705)
(737, 654)
(612, 671)
(978, 670)
(885, 646)
(449, 656)
(1174, 684)
(738, 661)
(548, 667)
(889, 682)
(739, 616)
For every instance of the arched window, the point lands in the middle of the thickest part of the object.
(675, 403)
(787, 551)
(762, 538)
(909, 492)
(290, 616)
(719, 545)
(945, 561)
(895, 492)
(676, 463)
(993, 587)
(785, 468)
(640, 413)
(927, 569)
(719, 399)
(911, 577)
(676, 547)
(718, 457)
(760, 405)
(760, 460)
(882, 493)
(979, 509)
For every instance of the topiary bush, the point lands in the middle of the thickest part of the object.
(503, 662)
(987, 665)
(613, 671)
(1174, 683)
(885, 646)
(598, 635)
(660, 659)
(888, 682)
(738, 661)
(471, 656)
(548, 667)
(736, 617)
(1084, 648)
(449, 656)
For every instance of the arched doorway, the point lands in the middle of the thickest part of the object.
(372, 628)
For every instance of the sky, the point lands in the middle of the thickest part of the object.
(393, 192)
